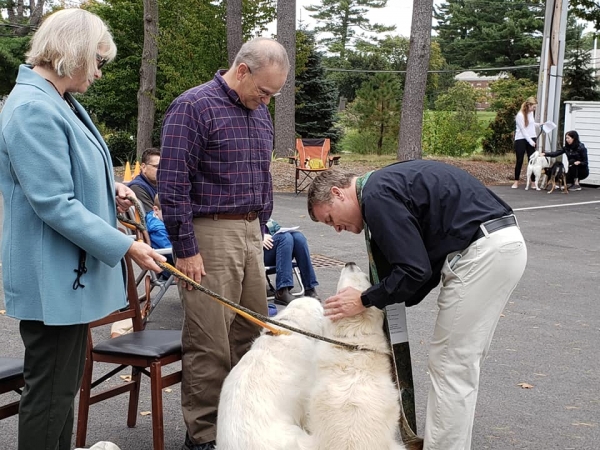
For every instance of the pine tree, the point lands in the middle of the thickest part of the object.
(341, 18)
(579, 82)
(377, 108)
(491, 33)
(316, 96)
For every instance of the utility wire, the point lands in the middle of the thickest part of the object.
(481, 69)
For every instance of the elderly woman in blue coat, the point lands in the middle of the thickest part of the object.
(61, 251)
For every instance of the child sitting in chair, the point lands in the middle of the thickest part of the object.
(159, 238)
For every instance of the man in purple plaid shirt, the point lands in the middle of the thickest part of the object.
(216, 194)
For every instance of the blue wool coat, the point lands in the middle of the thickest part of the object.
(56, 179)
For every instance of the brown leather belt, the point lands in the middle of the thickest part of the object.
(250, 216)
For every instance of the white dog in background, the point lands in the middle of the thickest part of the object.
(355, 404)
(534, 167)
(264, 398)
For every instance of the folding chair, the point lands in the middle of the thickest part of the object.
(146, 351)
(11, 379)
(312, 157)
(298, 290)
(151, 279)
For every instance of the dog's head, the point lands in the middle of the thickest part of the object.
(352, 276)
(366, 322)
(305, 313)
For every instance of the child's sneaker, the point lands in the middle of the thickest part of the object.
(272, 309)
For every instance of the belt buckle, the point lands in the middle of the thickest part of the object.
(251, 216)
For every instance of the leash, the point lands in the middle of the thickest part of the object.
(138, 225)
(257, 318)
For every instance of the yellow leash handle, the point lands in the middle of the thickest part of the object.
(229, 304)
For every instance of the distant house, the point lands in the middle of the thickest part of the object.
(482, 83)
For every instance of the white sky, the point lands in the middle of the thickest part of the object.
(397, 12)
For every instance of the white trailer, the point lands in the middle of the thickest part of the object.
(584, 117)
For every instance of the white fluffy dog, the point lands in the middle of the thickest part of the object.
(355, 404)
(264, 398)
(535, 166)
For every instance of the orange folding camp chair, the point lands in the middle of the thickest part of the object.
(312, 157)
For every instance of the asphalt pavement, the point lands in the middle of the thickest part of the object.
(548, 337)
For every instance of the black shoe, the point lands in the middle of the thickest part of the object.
(189, 445)
(312, 292)
(283, 296)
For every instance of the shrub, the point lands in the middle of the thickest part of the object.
(122, 147)
(365, 143)
(450, 133)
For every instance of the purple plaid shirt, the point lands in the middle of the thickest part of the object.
(215, 159)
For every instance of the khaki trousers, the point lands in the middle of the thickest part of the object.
(214, 338)
(473, 295)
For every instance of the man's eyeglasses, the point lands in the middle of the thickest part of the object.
(153, 165)
(260, 92)
(100, 61)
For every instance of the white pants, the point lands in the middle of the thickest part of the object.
(473, 295)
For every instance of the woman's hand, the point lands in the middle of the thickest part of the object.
(145, 256)
(122, 192)
(268, 241)
(576, 163)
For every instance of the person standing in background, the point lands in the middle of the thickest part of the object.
(525, 137)
(216, 192)
(61, 250)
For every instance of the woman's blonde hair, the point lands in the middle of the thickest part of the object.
(69, 40)
(525, 108)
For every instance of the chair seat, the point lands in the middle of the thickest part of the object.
(10, 368)
(146, 343)
(272, 270)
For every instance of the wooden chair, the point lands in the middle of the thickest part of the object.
(147, 278)
(11, 379)
(145, 351)
(312, 157)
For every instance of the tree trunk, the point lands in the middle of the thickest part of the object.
(146, 94)
(411, 120)
(15, 11)
(234, 29)
(285, 104)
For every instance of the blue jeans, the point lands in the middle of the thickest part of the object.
(287, 246)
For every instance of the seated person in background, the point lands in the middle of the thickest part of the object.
(144, 185)
(159, 238)
(578, 159)
(279, 249)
